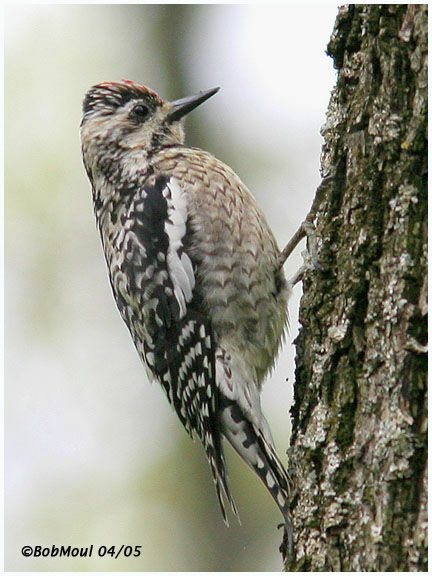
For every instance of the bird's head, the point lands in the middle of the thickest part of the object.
(129, 116)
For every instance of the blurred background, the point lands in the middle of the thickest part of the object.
(93, 452)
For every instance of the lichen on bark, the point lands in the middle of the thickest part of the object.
(358, 447)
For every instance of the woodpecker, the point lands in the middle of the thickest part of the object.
(195, 271)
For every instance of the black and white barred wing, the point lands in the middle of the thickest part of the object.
(163, 311)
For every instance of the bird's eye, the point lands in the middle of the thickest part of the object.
(140, 112)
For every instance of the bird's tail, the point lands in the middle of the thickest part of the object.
(214, 451)
(257, 451)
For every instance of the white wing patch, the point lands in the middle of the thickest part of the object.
(179, 264)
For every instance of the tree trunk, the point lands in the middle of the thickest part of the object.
(359, 443)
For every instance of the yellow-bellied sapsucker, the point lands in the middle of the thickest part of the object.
(195, 271)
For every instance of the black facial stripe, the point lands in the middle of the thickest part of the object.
(117, 97)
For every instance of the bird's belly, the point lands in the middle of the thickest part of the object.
(249, 312)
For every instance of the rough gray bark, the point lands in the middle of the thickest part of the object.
(358, 450)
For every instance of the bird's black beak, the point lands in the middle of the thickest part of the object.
(185, 105)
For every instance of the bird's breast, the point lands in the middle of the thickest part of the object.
(236, 258)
